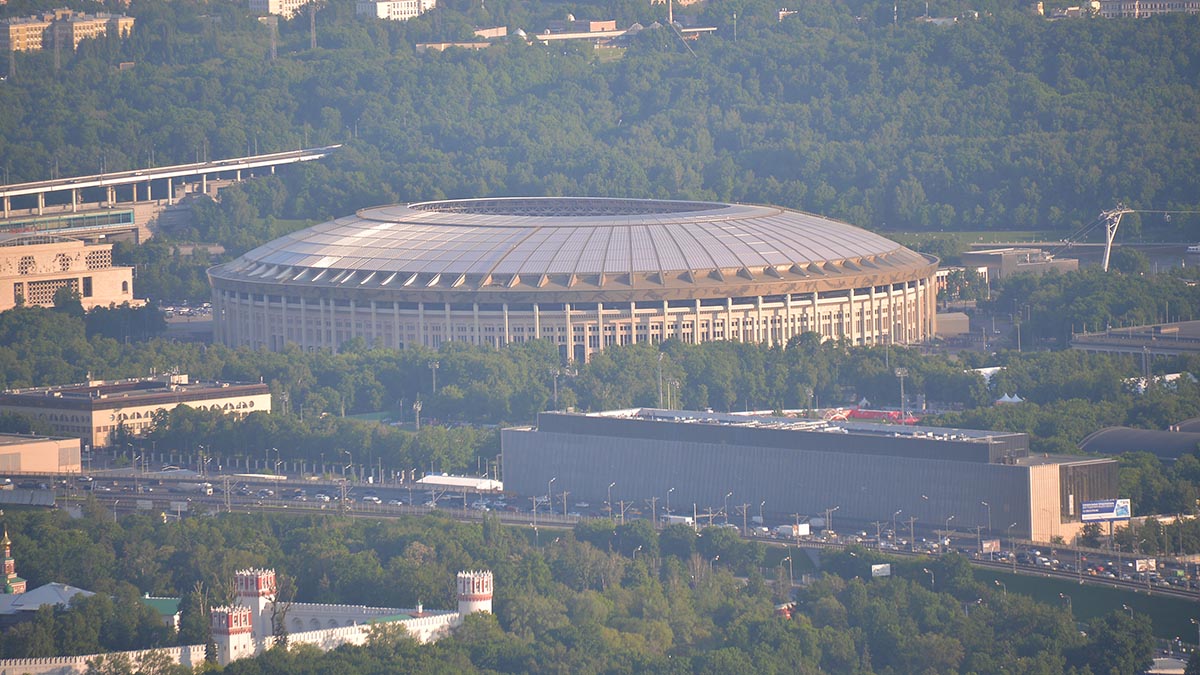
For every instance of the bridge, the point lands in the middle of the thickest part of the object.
(109, 182)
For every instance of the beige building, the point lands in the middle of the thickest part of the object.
(285, 8)
(38, 454)
(1140, 9)
(94, 410)
(34, 267)
(67, 26)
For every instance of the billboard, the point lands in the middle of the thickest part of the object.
(884, 570)
(1147, 565)
(1106, 509)
(990, 546)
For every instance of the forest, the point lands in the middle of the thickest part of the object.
(1000, 121)
(581, 601)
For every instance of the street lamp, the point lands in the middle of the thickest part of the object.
(1070, 607)
(636, 550)
(1002, 587)
(610, 487)
(727, 496)
(668, 507)
(549, 493)
(417, 412)
(898, 512)
(989, 511)
(829, 518)
(928, 571)
(433, 368)
(761, 504)
(1128, 609)
(1197, 623)
(711, 562)
(792, 577)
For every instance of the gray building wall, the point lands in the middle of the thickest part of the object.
(866, 487)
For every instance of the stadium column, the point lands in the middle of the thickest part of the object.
(448, 333)
(632, 323)
(758, 322)
(815, 322)
(397, 341)
(537, 321)
(570, 331)
(303, 324)
(283, 322)
(374, 325)
(74, 200)
(599, 326)
(421, 338)
(507, 335)
(853, 318)
(788, 329)
(696, 324)
(666, 322)
(111, 195)
(475, 339)
(170, 191)
(729, 335)
(41, 202)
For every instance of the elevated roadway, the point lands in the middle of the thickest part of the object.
(109, 182)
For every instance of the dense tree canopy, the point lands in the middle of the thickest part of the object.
(999, 121)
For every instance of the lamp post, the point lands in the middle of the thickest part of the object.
(1197, 623)
(792, 577)
(712, 562)
(660, 389)
(947, 530)
(667, 509)
(115, 502)
(829, 518)
(610, 487)
(1070, 606)
(417, 412)
(1002, 587)
(727, 496)
(635, 551)
(928, 571)
(433, 368)
(550, 494)
(989, 512)
(1128, 609)
(902, 373)
(761, 504)
(894, 533)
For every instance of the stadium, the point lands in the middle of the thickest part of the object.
(586, 273)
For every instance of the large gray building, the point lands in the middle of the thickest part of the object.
(867, 472)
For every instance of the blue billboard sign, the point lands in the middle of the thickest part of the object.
(1106, 509)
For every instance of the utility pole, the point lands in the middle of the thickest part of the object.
(912, 544)
(653, 502)
(564, 494)
(744, 508)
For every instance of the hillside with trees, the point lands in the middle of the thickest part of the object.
(1000, 121)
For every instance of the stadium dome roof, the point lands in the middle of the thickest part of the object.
(564, 241)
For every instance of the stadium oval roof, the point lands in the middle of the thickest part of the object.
(537, 242)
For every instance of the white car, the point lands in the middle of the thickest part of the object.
(321, 497)
(372, 499)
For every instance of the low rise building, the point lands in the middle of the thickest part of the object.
(64, 27)
(1005, 262)
(942, 478)
(94, 410)
(393, 10)
(1140, 9)
(33, 268)
(284, 8)
(38, 454)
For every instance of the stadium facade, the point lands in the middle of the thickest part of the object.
(586, 273)
(869, 473)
